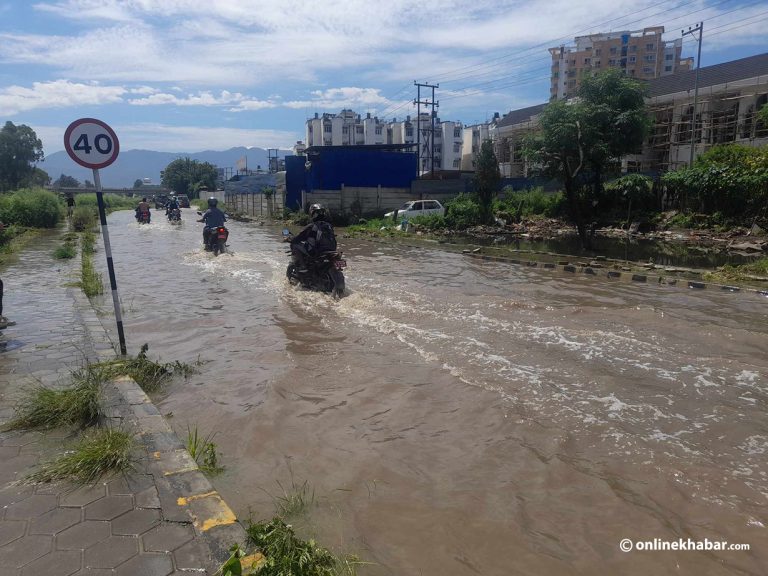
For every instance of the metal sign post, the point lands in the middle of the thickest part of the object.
(93, 144)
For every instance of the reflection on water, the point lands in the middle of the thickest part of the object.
(456, 416)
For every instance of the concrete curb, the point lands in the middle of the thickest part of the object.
(186, 495)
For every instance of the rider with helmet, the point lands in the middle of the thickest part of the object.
(316, 237)
(172, 204)
(213, 218)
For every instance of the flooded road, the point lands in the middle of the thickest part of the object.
(462, 417)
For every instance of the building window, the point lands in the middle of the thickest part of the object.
(456, 147)
(554, 75)
(378, 130)
(597, 51)
(457, 131)
(359, 129)
(438, 149)
(669, 56)
(456, 163)
(409, 131)
(633, 48)
(614, 49)
(667, 68)
(327, 128)
(647, 70)
(596, 64)
(587, 60)
(650, 47)
(344, 129)
(650, 57)
(632, 59)
(612, 62)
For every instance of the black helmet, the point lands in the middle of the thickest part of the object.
(212, 202)
(318, 212)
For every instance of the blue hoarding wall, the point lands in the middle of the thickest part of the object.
(295, 180)
(357, 166)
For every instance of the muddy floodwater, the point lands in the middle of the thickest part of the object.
(461, 417)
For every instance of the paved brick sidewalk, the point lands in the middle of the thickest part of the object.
(156, 521)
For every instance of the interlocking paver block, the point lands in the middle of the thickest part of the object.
(32, 507)
(98, 572)
(167, 537)
(129, 484)
(83, 496)
(148, 498)
(12, 494)
(11, 530)
(192, 556)
(55, 521)
(112, 552)
(109, 507)
(83, 535)
(24, 550)
(147, 565)
(135, 522)
(57, 563)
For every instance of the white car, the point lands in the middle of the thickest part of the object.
(417, 208)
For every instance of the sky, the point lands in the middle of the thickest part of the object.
(194, 75)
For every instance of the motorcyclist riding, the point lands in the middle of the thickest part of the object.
(143, 207)
(316, 237)
(213, 218)
(173, 204)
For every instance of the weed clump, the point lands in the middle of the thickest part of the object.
(97, 453)
(77, 405)
(66, 251)
(148, 374)
(203, 451)
(286, 554)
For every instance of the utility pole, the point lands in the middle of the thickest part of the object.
(431, 146)
(692, 30)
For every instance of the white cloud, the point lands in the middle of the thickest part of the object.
(346, 97)
(200, 99)
(56, 94)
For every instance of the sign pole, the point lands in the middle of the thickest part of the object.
(93, 144)
(110, 264)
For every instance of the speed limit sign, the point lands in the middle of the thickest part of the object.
(91, 143)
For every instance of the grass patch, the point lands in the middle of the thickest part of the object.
(66, 251)
(741, 274)
(295, 502)
(87, 242)
(148, 374)
(203, 450)
(45, 408)
(97, 453)
(90, 280)
(285, 554)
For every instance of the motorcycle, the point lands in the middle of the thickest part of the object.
(216, 240)
(142, 217)
(174, 216)
(321, 272)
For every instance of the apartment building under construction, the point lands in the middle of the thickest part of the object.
(640, 54)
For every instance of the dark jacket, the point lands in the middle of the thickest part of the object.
(213, 217)
(319, 237)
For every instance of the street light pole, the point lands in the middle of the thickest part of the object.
(692, 30)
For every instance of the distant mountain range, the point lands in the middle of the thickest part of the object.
(133, 164)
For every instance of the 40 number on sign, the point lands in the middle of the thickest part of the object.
(91, 143)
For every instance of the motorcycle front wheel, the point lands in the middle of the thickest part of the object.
(290, 272)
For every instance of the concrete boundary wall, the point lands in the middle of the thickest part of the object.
(257, 205)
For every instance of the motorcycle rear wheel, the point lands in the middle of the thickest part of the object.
(335, 283)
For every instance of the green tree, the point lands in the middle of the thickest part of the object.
(186, 176)
(65, 181)
(487, 178)
(762, 114)
(89, 184)
(39, 178)
(19, 149)
(138, 183)
(581, 137)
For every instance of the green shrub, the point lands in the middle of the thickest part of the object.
(65, 251)
(112, 202)
(462, 212)
(83, 218)
(430, 222)
(527, 203)
(34, 208)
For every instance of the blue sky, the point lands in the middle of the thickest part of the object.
(191, 75)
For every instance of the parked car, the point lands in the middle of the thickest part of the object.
(417, 208)
(183, 200)
(160, 201)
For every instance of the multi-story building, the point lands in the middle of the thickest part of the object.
(640, 53)
(350, 129)
(730, 96)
